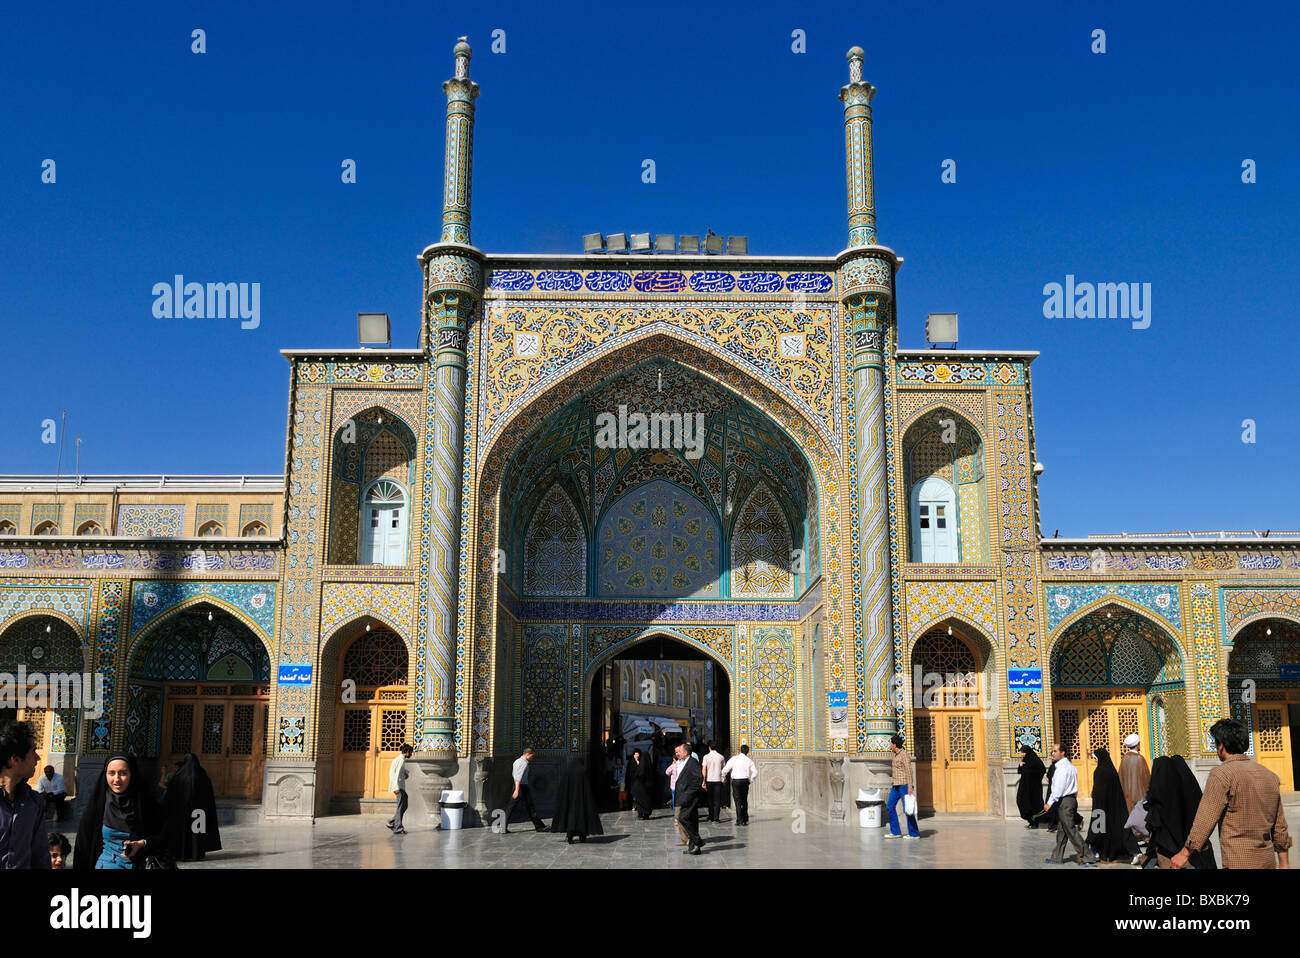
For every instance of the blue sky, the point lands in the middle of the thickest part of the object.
(1122, 167)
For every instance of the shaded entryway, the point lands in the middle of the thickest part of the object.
(1264, 692)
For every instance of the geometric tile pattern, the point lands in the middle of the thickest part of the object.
(545, 686)
(773, 691)
(1242, 605)
(760, 549)
(1125, 649)
(209, 512)
(1158, 598)
(341, 602)
(89, 512)
(1261, 655)
(252, 602)
(72, 603)
(974, 602)
(555, 548)
(47, 512)
(1206, 642)
(256, 512)
(27, 643)
(659, 540)
(151, 522)
(108, 635)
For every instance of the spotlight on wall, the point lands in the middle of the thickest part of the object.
(616, 243)
(713, 243)
(373, 330)
(688, 243)
(941, 328)
(640, 242)
(593, 242)
(738, 245)
(665, 242)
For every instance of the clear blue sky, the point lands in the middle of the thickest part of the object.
(225, 167)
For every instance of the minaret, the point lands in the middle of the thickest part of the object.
(453, 290)
(866, 273)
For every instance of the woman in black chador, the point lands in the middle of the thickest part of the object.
(575, 805)
(1107, 836)
(191, 836)
(1029, 793)
(122, 823)
(1172, 799)
(642, 783)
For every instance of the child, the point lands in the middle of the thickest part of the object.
(59, 849)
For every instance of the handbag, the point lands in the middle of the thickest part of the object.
(909, 804)
(161, 859)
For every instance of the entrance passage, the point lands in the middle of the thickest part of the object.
(225, 726)
(371, 718)
(1276, 722)
(1086, 721)
(652, 696)
(949, 749)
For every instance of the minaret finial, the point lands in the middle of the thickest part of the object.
(856, 98)
(461, 92)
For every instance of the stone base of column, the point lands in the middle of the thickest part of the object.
(290, 792)
(431, 775)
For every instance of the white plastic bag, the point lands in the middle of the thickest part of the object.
(909, 804)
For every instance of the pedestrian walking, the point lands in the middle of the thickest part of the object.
(673, 771)
(743, 772)
(523, 793)
(1244, 800)
(902, 787)
(712, 764)
(1134, 778)
(397, 775)
(51, 787)
(1065, 796)
(22, 811)
(575, 804)
(688, 793)
(1172, 798)
(642, 783)
(122, 825)
(1029, 791)
(1108, 834)
(1052, 820)
(190, 808)
(620, 783)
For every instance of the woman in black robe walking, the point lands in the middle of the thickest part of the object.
(1172, 799)
(122, 824)
(1029, 793)
(575, 805)
(1109, 839)
(642, 783)
(190, 836)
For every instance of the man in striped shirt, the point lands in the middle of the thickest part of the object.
(1244, 799)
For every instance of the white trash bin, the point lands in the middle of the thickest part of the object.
(452, 805)
(870, 808)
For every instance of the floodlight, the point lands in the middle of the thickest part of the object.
(373, 329)
(593, 242)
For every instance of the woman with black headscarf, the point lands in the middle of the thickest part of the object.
(122, 824)
(1110, 840)
(190, 836)
(1029, 793)
(1172, 798)
(575, 805)
(642, 783)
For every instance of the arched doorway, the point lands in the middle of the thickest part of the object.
(1115, 672)
(46, 651)
(199, 680)
(652, 695)
(370, 712)
(950, 737)
(1264, 691)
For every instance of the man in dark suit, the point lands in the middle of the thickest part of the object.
(689, 792)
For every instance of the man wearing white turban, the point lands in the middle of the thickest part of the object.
(1134, 775)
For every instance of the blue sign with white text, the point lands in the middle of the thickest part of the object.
(1029, 680)
(1289, 670)
(837, 700)
(296, 674)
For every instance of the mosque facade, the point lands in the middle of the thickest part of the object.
(478, 544)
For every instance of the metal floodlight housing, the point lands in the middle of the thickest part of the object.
(713, 244)
(738, 245)
(688, 243)
(941, 328)
(616, 242)
(640, 242)
(373, 329)
(593, 242)
(665, 242)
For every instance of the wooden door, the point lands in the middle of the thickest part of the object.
(225, 727)
(1103, 719)
(352, 765)
(389, 724)
(1273, 740)
(951, 778)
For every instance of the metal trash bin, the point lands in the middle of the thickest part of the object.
(871, 808)
(452, 805)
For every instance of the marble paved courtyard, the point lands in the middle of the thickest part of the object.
(769, 841)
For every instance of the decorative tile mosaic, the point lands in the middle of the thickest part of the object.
(47, 512)
(1065, 601)
(1238, 606)
(212, 512)
(150, 522)
(252, 603)
(342, 602)
(89, 512)
(974, 602)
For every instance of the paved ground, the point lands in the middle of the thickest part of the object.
(353, 841)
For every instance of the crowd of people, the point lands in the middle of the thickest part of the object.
(1158, 816)
(123, 824)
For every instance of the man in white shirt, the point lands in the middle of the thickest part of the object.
(51, 786)
(743, 772)
(712, 763)
(1065, 796)
(397, 773)
(522, 793)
